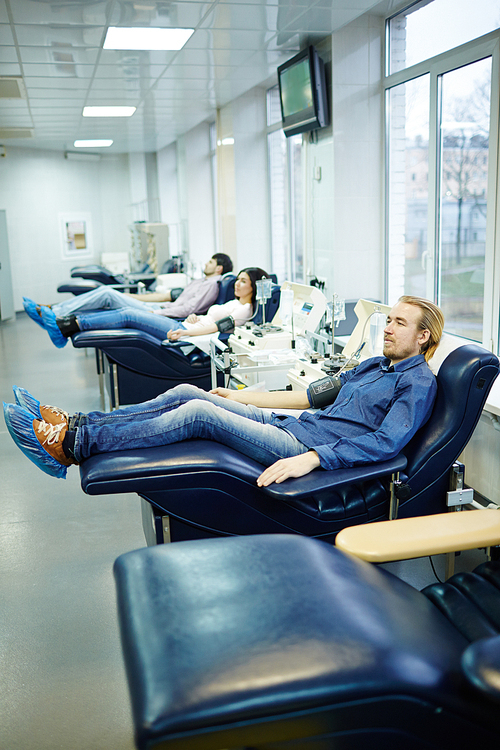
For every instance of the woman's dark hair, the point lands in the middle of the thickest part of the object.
(223, 260)
(255, 274)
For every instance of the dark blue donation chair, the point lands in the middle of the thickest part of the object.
(279, 641)
(200, 489)
(86, 278)
(138, 366)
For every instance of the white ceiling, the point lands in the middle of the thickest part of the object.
(56, 47)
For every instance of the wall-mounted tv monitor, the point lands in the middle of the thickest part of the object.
(303, 95)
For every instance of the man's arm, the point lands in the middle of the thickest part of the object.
(266, 399)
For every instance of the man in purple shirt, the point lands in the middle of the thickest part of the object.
(200, 294)
(196, 297)
(364, 415)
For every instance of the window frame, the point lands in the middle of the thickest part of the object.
(470, 52)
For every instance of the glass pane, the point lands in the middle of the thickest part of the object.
(430, 28)
(296, 207)
(464, 181)
(276, 144)
(408, 189)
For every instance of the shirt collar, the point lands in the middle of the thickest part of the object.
(405, 364)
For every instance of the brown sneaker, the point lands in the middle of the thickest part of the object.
(54, 415)
(50, 436)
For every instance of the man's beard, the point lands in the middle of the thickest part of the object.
(397, 354)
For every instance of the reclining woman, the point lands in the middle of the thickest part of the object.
(240, 310)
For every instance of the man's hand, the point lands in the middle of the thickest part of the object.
(296, 466)
(193, 318)
(176, 335)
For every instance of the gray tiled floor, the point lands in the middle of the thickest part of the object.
(62, 683)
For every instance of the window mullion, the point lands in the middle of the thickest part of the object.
(492, 266)
(432, 260)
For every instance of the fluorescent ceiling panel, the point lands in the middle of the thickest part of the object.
(93, 144)
(134, 37)
(110, 111)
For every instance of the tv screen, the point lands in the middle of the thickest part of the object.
(302, 86)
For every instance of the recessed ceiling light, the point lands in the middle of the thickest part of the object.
(92, 144)
(119, 37)
(108, 111)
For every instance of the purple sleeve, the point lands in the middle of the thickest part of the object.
(197, 297)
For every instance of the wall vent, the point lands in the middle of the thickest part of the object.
(12, 87)
(16, 133)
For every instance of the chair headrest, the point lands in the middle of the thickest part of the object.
(226, 288)
(464, 380)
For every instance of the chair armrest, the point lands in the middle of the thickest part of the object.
(321, 480)
(167, 344)
(146, 278)
(481, 666)
(109, 336)
(200, 342)
(407, 538)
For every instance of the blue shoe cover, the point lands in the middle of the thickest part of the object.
(27, 402)
(20, 425)
(50, 325)
(31, 310)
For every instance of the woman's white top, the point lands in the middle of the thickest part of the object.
(240, 313)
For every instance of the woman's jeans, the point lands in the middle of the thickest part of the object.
(182, 413)
(142, 320)
(102, 298)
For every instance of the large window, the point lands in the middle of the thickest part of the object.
(426, 29)
(441, 129)
(463, 197)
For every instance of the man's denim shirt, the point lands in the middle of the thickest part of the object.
(376, 413)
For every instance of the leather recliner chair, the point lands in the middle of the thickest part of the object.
(139, 366)
(200, 489)
(278, 641)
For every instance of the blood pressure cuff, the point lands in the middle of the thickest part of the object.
(226, 325)
(324, 392)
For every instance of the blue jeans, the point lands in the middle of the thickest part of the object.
(102, 298)
(142, 320)
(182, 413)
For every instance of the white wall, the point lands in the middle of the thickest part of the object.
(253, 243)
(357, 200)
(138, 181)
(168, 196)
(167, 183)
(35, 187)
(196, 205)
